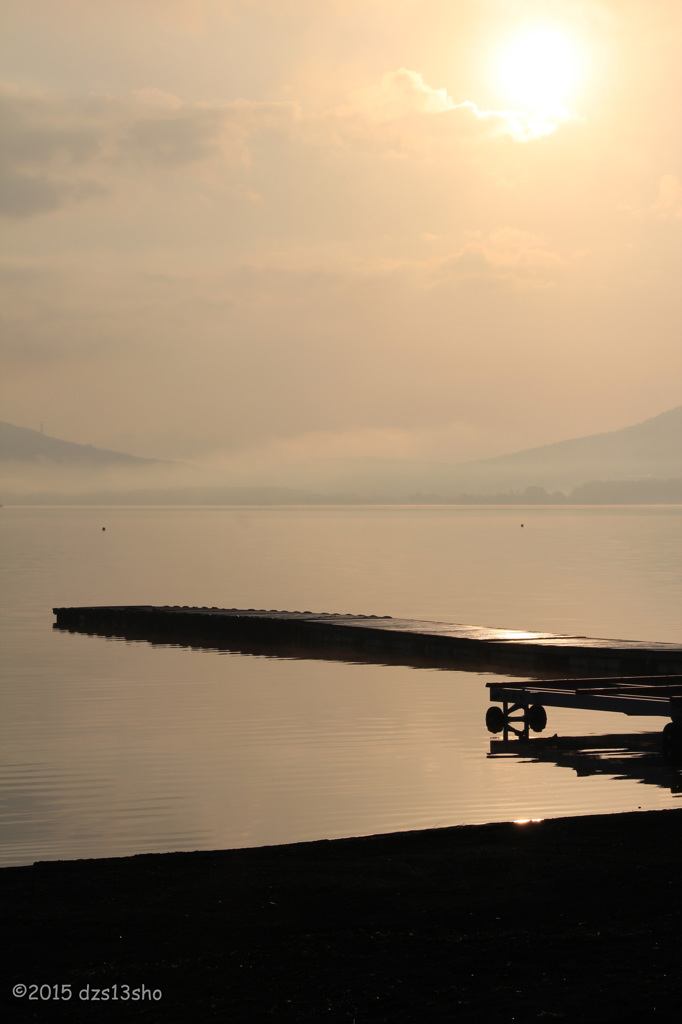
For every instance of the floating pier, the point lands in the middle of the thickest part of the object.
(371, 638)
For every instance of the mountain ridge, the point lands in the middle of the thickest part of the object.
(26, 445)
(651, 451)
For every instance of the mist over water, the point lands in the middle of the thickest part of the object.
(113, 748)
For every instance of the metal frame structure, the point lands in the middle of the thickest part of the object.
(523, 703)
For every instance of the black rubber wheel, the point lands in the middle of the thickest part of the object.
(494, 719)
(672, 740)
(536, 717)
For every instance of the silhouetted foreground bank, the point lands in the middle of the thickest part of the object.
(574, 919)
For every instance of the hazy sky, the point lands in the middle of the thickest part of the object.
(421, 228)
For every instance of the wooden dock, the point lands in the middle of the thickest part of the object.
(371, 638)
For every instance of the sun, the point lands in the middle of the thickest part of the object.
(539, 69)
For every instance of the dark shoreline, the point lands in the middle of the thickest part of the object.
(574, 919)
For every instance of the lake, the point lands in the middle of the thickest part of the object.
(111, 748)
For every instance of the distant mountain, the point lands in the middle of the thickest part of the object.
(21, 444)
(650, 450)
(37, 468)
(637, 464)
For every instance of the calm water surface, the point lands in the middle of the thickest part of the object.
(111, 748)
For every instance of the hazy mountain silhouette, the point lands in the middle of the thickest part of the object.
(21, 444)
(38, 467)
(648, 450)
(640, 463)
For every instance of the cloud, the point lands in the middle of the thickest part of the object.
(405, 92)
(26, 195)
(400, 93)
(520, 125)
(408, 110)
(180, 138)
(63, 150)
(519, 259)
(165, 131)
(42, 142)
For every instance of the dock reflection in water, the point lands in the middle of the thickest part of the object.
(635, 756)
(653, 758)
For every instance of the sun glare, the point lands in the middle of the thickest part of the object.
(539, 69)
